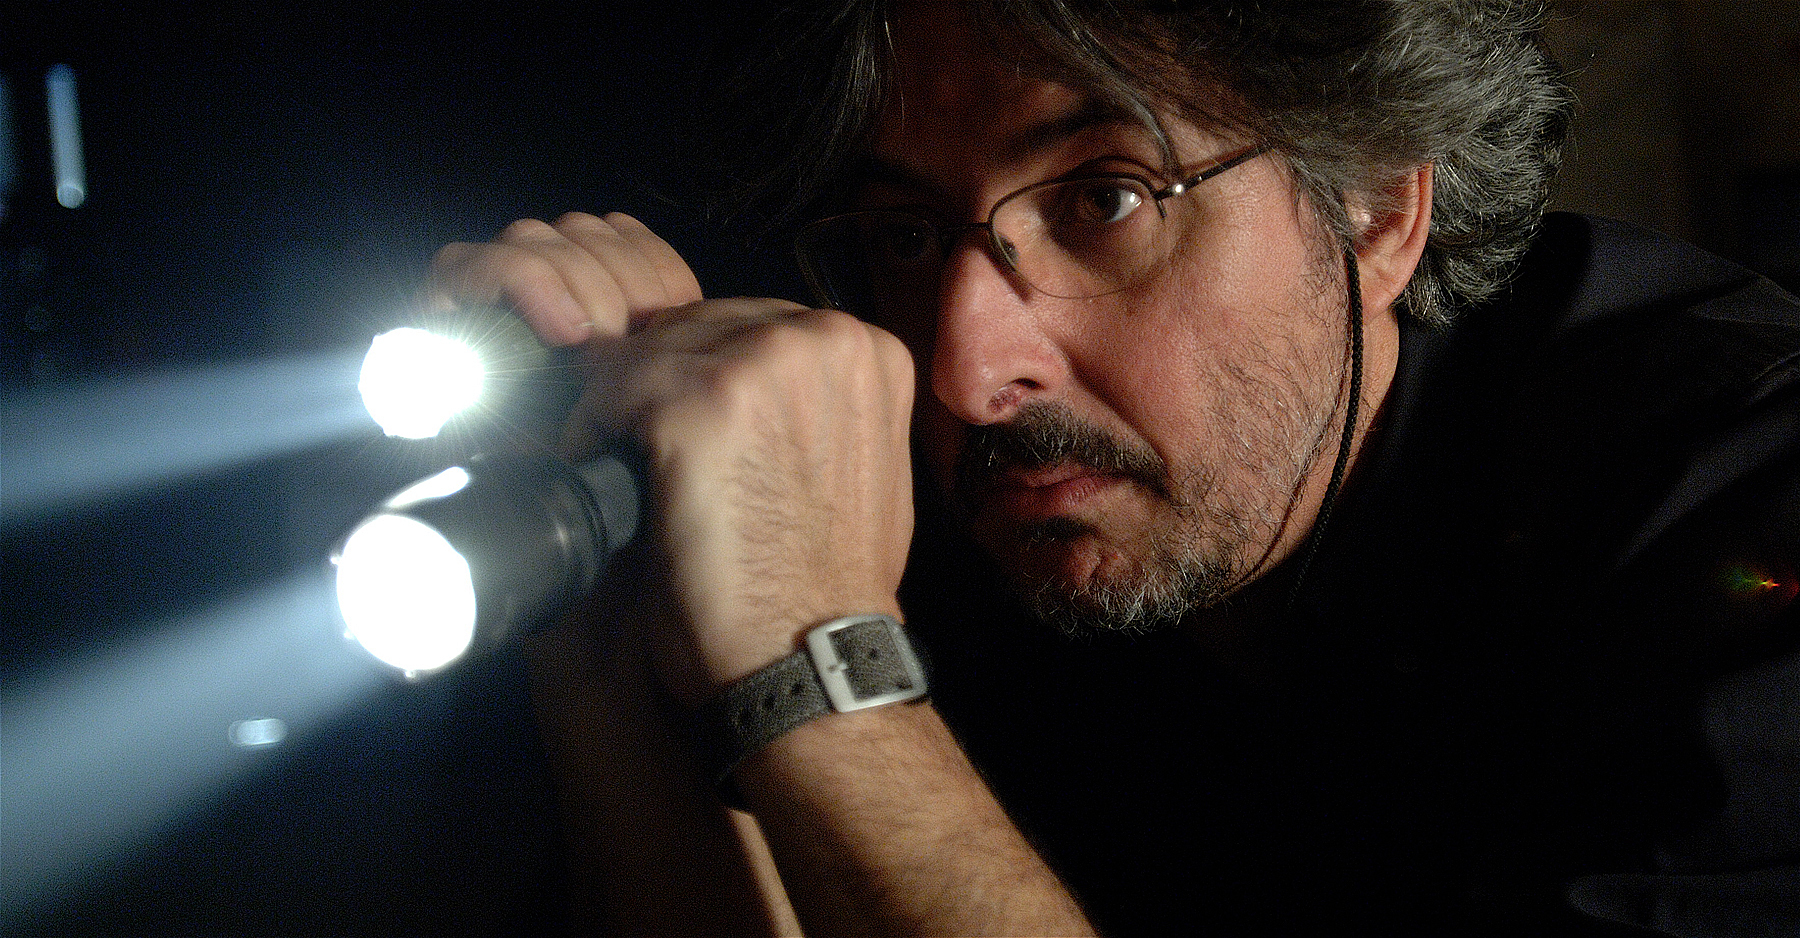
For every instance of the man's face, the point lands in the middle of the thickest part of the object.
(1127, 457)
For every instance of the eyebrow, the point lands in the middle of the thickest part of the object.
(1033, 140)
(1046, 134)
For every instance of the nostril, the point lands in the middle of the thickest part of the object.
(1006, 398)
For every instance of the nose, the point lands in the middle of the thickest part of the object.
(991, 353)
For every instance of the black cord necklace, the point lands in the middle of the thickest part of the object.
(1342, 462)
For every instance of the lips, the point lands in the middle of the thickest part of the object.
(1044, 464)
(1041, 493)
(1044, 476)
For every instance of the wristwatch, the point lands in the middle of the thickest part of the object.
(847, 664)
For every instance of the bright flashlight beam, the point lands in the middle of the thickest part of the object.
(68, 447)
(414, 381)
(406, 593)
(102, 755)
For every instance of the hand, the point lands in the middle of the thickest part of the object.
(777, 435)
(778, 438)
(572, 281)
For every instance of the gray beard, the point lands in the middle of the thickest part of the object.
(1177, 581)
(1221, 539)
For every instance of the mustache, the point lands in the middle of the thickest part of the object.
(1044, 434)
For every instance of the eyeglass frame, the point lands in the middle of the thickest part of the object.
(948, 235)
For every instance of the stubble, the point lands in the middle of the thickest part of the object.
(1268, 423)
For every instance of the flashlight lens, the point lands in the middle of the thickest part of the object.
(414, 381)
(406, 593)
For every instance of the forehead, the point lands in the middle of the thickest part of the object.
(968, 101)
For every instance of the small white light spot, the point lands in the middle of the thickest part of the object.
(257, 734)
(70, 194)
(446, 483)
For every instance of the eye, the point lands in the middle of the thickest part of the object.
(898, 240)
(1102, 201)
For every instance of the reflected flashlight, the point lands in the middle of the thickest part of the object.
(466, 559)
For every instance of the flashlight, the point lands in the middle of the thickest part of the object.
(473, 556)
(462, 561)
(416, 379)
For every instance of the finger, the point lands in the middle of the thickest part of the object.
(653, 361)
(724, 310)
(677, 278)
(604, 284)
(687, 352)
(686, 356)
(627, 383)
(630, 284)
(515, 277)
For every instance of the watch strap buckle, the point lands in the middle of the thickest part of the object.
(865, 661)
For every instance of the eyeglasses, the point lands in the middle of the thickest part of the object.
(1070, 238)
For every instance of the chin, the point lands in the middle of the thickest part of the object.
(1069, 578)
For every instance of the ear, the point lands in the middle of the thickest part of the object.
(1390, 238)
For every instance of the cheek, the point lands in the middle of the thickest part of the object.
(1148, 362)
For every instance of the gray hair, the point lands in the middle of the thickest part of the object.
(1352, 95)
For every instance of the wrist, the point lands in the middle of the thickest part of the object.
(850, 664)
(730, 646)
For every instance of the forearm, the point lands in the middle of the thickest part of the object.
(880, 826)
(651, 851)
(777, 441)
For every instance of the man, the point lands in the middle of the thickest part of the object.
(1316, 578)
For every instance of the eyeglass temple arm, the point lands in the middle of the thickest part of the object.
(1210, 172)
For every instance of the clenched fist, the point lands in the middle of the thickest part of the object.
(776, 435)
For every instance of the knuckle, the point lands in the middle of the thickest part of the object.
(578, 221)
(526, 229)
(891, 350)
(526, 282)
(526, 270)
(621, 220)
(779, 340)
(845, 331)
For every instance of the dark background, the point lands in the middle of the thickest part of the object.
(263, 183)
(266, 183)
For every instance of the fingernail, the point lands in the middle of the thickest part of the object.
(580, 324)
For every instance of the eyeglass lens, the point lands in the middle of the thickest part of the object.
(1076, 238)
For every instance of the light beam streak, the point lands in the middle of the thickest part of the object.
(101, 755)
(67, 447)
(65, 137)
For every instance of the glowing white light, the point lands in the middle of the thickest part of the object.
(65, 137)
(254, 734)
(72, 444)
(448, 482)
(105, 753)
(405, 593)
(414, 381)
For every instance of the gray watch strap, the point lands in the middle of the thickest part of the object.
(848, 664)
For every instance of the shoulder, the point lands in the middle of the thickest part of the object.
(1637, 375)
(1659, 312)
(1652, 426)
(1609, 434)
